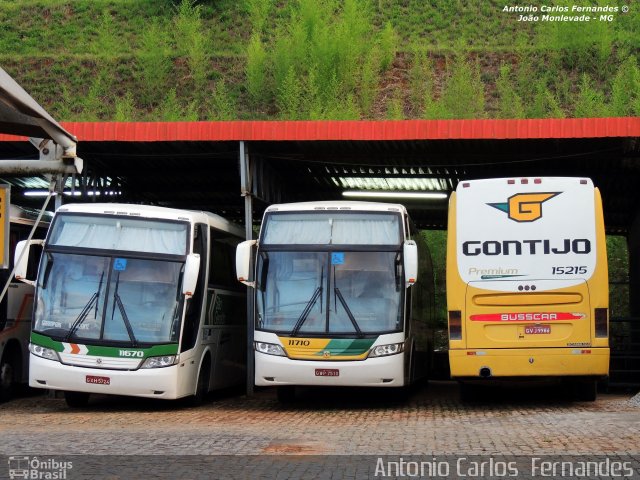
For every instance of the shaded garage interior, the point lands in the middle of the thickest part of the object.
(205, 174)
(198, 166)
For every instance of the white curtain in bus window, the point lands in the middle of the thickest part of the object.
(332, 228)
(366, 230)
(120, 234)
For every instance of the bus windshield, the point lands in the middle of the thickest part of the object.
(108, 298)
(329, 292)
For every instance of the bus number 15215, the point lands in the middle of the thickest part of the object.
(569, 270)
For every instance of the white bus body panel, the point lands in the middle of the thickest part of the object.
(136, 383)
(487, 221)
(372, 372)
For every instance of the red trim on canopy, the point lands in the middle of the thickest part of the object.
(351, 130)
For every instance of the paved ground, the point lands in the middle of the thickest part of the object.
(431, 422)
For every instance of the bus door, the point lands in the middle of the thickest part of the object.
(224, 331)
(539, 317)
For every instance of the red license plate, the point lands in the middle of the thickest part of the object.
(327, 372)
(98, 380)
(537, 329)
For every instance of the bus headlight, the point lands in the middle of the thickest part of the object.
(384, 350)
(269, 349)
(159, 362)
(43, 352)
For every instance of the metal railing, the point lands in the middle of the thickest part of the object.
(624, 340)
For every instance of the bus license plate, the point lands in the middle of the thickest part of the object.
(537, 329)
(98, 380)
(327, 372)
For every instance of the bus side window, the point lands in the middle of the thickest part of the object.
(194, 308)
(222, 266)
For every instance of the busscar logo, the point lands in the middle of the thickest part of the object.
(524, 207)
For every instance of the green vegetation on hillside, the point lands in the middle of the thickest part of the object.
(316, 59)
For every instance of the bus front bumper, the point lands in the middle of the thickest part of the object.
(149, 383)
(274, 370)
(541, 362)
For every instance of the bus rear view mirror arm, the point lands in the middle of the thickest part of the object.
(191, 271)
(410, 262)
(21, 259)
(244, 254)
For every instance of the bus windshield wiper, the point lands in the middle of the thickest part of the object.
(85, 310)
(306, 311)
(125, 318)
(127, 323)
(348, 310)
(309, 306)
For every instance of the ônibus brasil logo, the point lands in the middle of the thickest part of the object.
(524, 207)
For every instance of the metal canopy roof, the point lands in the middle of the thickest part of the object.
(196, 164)
(22, 115)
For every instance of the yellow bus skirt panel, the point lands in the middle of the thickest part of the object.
(548, 362)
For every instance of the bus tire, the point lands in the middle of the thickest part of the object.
(76, 399)
(286, 393)
(584, 390)
(202, 388)
(9, 370)
(402, 394)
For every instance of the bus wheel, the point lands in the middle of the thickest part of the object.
(8, 382)
(584, 390)
(203, 385)
(402, 394)
(76, 399)
(286, 394)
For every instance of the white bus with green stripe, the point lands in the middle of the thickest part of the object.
(338, 298)
(137, 300)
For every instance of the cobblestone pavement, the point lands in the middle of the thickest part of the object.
(327, 422)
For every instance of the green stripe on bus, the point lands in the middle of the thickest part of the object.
(46, 342)
(155, 351)
(348, 346)
(103, 351)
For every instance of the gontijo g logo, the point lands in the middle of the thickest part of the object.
(524, 207)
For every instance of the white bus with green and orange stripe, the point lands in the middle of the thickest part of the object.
(342, 296)
(137, 300)
(527, 282)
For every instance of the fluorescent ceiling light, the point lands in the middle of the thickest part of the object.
(394, 184)
(429, 195)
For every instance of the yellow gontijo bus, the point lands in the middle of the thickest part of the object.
(527, 282)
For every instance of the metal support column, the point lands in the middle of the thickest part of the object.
(246, 192)
(59, 180)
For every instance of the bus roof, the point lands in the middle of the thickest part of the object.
(150, 211)
(338, 205)
(490, 182)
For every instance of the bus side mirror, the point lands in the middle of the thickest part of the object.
(243, 262)
(191, 271)
(21, 259)
(410, 262)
